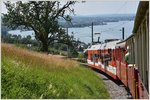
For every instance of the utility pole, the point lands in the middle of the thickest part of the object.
(123, 33)
(92, 32)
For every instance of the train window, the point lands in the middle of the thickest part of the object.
(95, 55)
(109, 50)
(131, 58)
(106, 63)
(101, 56)
(124, 50)
(96, 58)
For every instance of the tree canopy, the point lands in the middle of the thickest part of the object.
(40, 16)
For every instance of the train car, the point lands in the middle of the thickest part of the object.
(141, 35)
(102, 57)
(109, 57)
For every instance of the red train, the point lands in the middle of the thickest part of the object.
(109, 56)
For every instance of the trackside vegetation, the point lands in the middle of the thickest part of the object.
(31, 75)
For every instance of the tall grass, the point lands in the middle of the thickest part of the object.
(35, 58)
(28, 74)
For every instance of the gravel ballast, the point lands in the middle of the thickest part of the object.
(115, 88)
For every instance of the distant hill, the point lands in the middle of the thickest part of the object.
(82, 21)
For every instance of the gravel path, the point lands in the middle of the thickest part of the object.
(116, 89)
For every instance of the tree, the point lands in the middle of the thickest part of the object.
(40, 16)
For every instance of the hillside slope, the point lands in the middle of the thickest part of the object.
(27, 74)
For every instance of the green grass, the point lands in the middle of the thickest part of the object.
(23, 76)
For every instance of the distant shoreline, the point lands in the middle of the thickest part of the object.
(95, 24)
(85, 21)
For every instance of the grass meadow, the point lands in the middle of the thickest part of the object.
(27, 74)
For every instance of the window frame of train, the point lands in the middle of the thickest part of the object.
(100, 56)
(130, 43)
(96, 57)
(107, 57)
(91, 56)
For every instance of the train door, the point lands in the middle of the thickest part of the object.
(105, 60)
(123, 66)
(112, 63)
(93, 58)
(90, 57)
(117, 52)
(101, 60)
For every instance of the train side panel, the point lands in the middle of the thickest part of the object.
(120, 62)
(133, 81)
(124, 77)
(99, 59)
(143, 93)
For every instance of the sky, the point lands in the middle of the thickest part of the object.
(101, 7)
(106, 7)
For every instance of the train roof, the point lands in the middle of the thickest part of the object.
(121, 44)
(107, 45)
(142, 8)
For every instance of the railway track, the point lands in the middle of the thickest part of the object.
(115, 88)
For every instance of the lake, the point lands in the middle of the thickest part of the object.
(109, 31)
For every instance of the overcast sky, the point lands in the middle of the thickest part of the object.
(106, 7)
(101, 7)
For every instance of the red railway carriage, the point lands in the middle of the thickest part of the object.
(102, 57)
(109, 57)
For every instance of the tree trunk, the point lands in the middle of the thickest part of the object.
(44, 47)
